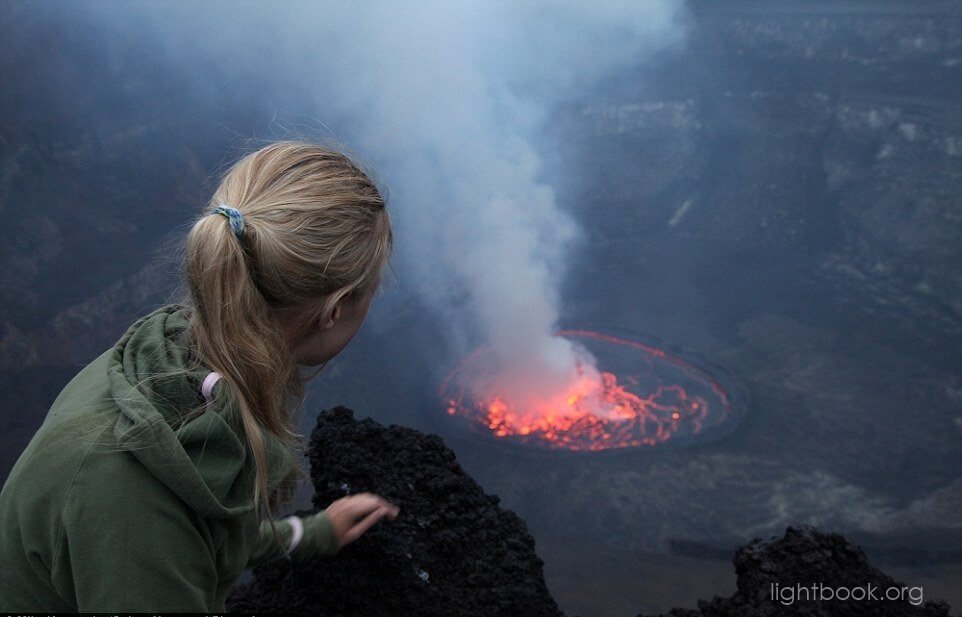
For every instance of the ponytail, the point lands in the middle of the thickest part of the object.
(313, 231)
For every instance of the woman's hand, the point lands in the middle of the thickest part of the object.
(353, 515)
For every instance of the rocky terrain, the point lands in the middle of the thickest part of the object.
(454, 551)
(810, 573)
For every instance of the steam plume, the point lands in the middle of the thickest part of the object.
(445, 97)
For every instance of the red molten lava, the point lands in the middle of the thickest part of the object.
(638, 396)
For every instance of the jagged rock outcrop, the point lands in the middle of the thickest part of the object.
(815, 574)
(451, 552)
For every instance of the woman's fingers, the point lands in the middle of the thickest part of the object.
(364, 524)
(361, 505)
(352, 516)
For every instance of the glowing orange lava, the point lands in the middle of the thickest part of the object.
(658, 396)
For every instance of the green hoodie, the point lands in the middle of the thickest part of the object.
(117, 504)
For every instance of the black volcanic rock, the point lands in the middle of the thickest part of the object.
(770, 574)
(454, 552)
(451, 552)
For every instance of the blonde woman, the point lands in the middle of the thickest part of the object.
(151, 484)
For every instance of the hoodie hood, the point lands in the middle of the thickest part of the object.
(156, 382)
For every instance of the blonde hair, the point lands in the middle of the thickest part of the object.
(316, 233)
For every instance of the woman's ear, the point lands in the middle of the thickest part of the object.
(332, 317)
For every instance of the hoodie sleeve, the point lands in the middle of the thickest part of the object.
(317, 540)
(129, 544)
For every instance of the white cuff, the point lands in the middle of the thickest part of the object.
(297, 532)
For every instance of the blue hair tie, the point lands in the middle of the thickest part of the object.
(235, 217)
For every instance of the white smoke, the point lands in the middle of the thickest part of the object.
(454, 95)
(445, 98)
